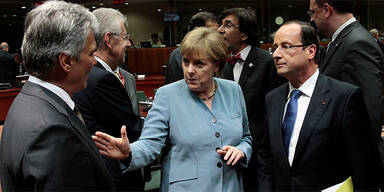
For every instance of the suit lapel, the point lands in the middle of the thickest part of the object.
(336, 44)
(318, 104)
(63, 108)
(248, 67)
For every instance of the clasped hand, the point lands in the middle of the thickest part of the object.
(231, 154)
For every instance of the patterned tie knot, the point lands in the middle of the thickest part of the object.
(295, 94)
(233, 59)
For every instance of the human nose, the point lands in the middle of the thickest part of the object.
(191, 69)
(220, 29)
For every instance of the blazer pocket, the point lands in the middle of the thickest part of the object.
(182, 171)
(235, 115)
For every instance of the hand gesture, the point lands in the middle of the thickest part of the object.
(112, 147)
(231, 154)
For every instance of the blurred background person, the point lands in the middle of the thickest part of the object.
(252, 68)
(155, 39)
(8, 65)
(199, 123)
(174, 70)
(45, 145)
(375, 34)
(109, 101)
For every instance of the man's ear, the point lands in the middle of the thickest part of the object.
(328, 9)
(107, 39)
(64, 61)
(244, 37)
(311, 51)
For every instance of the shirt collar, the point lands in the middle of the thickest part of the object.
(244, 53)
(55, 89)
(344, 25)
(307, 87)
(106, 66)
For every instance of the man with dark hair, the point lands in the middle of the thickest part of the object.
(252, 68)
(45, 145)
(106, 104)
(353, 56)
(318, 128)
(174, 71)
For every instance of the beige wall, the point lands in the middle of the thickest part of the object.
(145, 20)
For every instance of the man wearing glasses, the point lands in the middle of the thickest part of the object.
(109, 99)
(352, 55)
(317, 135)
(252, 68)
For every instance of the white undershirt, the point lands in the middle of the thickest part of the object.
(55, 89)
(302, 106)
(239, 64)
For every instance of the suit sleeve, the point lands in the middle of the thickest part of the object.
(174, 71)
(57, 160)
(114, 108)
(154, 135)
(246, 141)
(265, 159)
(362, 153)
(362, 66)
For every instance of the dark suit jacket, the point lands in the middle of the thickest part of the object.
(45, 147)
(174, 70)
(357, 59)
(8, 68)
(257, 78)
(333, 143)
(106, 106)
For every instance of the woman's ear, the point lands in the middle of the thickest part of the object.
(64, 61)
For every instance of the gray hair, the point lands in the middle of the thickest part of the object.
(110, 20)
(53, 28)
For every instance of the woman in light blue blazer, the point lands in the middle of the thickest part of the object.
(199, 123)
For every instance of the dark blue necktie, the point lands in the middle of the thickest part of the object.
(290, 118)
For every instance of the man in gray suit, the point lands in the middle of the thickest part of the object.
(45, 145)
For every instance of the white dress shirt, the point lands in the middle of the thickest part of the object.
(55, 89)
(239, 64)
(107, 67)
(302, 106)
(344, 25)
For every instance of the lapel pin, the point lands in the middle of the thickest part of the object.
(323, 102)
(250, 65)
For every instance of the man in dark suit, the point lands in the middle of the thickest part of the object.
(318, 127)
(8, 65)
(375, 34)
(45, 145)
(254, 71)
(105, 103)
(174, 70)
(352, 56)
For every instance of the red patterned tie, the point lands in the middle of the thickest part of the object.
(232, 60)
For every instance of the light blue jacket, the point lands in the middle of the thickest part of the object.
(188, 133)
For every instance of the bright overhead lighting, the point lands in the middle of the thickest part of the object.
(23, 7)
(200, 9)
(101, 4)
(93, 7)
(126, 3)
(158, 10)
(13, 15)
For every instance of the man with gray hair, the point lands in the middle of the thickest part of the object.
(106, 104)
(45, 145)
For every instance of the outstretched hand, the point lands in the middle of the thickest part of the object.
(112, 147)
(231, 154)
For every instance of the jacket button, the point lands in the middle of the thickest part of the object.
(217, 134)
(213, 120)
(219, 165)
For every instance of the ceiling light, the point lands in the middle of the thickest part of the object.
(13, 15)
(93, 7)
(101, 4)
(200, 9)
(158, 10)
(126, 3)
(23, 7)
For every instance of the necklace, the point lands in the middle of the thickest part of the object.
(213, 94)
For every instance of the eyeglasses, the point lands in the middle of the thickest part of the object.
(284, 47)
(312, 12)
(124, 37)
(228, 25)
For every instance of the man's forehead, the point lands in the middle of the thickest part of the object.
(288, 33)
(230, 18)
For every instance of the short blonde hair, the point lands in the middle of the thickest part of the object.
(208, 41)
